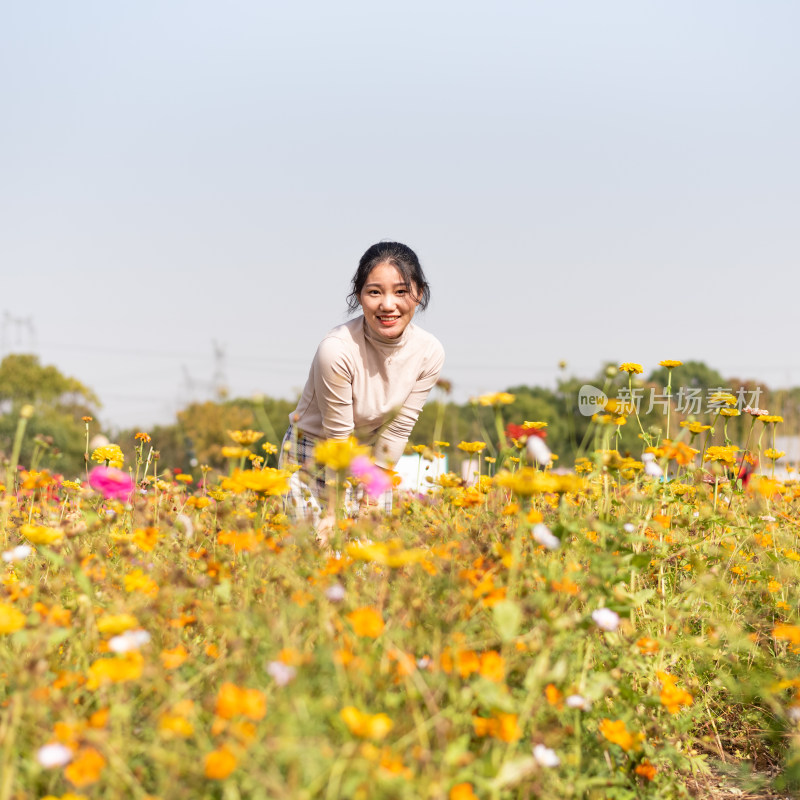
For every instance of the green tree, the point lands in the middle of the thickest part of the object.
(59, 402)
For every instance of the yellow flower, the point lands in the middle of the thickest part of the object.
(269, 448)
(366, 726)
(717, 398)
(669, 363)
(774, 455)
(219, 763)
(390, 554)
(729, 412)
(11, 619)
(441, 444)
(770, 418)
(39, 534)
(245, 437)
(233, 701)
(534, 426)
(528, 481)
(111, 454)
(496, 399)
(127, 667)
(631, 368)
(723, 453)
(672, 698)
(617, 733)
(142, 437)
(695, 427)
(117, 623)
(338, 454)
(235, 452)
(472, 447)
(367, 622)
(85, 768)
(146, 538)
(267, 481)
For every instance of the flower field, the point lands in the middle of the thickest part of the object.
(604, 629)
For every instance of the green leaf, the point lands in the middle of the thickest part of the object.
(507, 619)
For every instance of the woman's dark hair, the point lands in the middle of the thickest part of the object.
(398, 255)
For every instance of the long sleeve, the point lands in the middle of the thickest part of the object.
(392, 441)
(333, 388)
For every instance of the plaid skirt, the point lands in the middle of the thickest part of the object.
(309, 491)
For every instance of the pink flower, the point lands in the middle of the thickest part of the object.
(376, 481)
(111, 482)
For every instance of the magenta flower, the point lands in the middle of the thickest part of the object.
(111, 482)
(376, 481)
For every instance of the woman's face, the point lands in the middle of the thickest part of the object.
(387, 301)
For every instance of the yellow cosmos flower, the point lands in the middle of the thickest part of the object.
(120, 669)
(117, 623)
(631, 367)
(472, 447)
(390, 554)
(40, 534)
(672, 697)
(338, 454)
(11, 619)
(695, 427)
(111, 454)
(219, 763)
(245, 437)
(773, 454)
(617, 733)
(366, 726)
(528, 481)
(725, 454)
(717, 398)
(235, 452)
(367, 622)
(267, 481)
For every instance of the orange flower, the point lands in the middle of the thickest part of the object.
(672, 698)
(231, 700)
(617, 733)
(172, 659)
(366, 726)
(11, 619)
(127, 667)
(146, 538)
(646, 770)
(220, 763)
(366, 621)
(493, 666)
(647, 646)
(85, 768)
(462, 791)
(554, 696)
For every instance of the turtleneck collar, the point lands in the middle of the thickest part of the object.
(384, 341)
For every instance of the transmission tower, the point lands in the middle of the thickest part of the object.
(21, 329)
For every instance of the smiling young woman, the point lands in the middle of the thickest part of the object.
(369, 378)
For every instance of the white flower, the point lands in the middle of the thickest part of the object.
(53, 755)
(628, 527)
(767, 518)
(650, 467)
(545, 756)
(335, 593)
(130, 640)
(538, 450)
(606, 619)
(579, 702)
(545, 537)
(17, 553)
(281, 673)
(424, 662)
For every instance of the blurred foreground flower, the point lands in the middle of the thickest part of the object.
(366, 726)
(112, 483)
(376, 481)
(606, 619)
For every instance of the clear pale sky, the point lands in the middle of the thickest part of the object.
(582, 180)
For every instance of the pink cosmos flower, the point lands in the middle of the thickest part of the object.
(111, 482)
(376, 481)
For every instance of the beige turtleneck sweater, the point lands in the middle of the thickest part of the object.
(373, 387)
